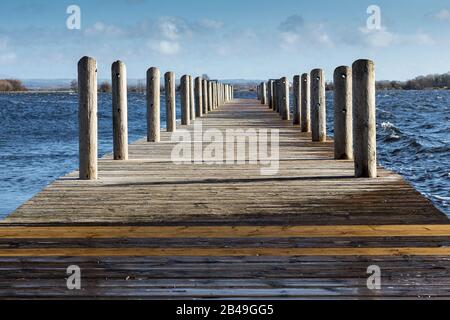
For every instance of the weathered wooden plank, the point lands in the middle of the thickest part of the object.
(224, 232)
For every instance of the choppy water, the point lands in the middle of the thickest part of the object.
(39, 139)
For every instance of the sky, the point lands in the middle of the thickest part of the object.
(226, 39)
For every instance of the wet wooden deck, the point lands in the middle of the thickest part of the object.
(150, 228)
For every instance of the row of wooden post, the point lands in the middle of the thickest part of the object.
(198, 97)
(354, 110)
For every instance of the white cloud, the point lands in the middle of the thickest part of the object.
(294, 32)
(384, 38)
(443, 15)
(166, 47)
(99, 28)
(173, 28)
(377, 38)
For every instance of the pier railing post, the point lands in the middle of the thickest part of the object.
(364, 119)
(185, 103)
(318, 106)
(297, 100)
(87, 118)
(205, 96)
(285, 106)
(153, 105)
(274, 95)
(191, 98)
(270, 93)
(216, 96)
(210, 96)
(263, 93)
(171, 117)
(198, 97)
(306, 103)
(120, 110)
(343, 127)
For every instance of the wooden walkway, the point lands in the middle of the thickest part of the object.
(150, 228)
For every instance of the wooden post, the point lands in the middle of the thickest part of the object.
(87, 118)
(364, 119)
(227, 93)
(318, 106)
(284, 99)
(120, 113)
(274, 96)
(198, 97)
(280, 97)
(213, 84)
(297, 100)
(263, 93)
(153, 105)
(185, 103)
(343, 127)
(306, 103)
(191, 98)
(205, 96)
(216, 96)
(171, 117)
(210, 96)
(270, 94)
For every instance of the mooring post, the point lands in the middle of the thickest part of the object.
(263, 93)
(270, 93)
(217, 94)
(198, 97)
(284, 88)
(297, 100)
(213, 86)
(120, 110)
(274, 96)
(364, 119)
(210, 96)
(171, 117)
(227, 93)
(280, 97)
(87, 118)
(153, 105)
(306, 103)
(343, 127)
(318, 106)
(205, 96)
(191, 98)
(185, 104)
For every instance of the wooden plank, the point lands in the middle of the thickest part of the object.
(136, 232)
(234, 252)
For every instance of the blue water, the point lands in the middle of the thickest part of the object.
(39, 139)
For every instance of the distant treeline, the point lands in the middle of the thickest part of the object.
(10, 85)
(433, 81)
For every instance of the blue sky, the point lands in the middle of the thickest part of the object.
(224, 38)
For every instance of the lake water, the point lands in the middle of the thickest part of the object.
(39, 139)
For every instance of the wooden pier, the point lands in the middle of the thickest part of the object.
(151, 228)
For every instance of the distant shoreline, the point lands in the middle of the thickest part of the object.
(68, 91)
